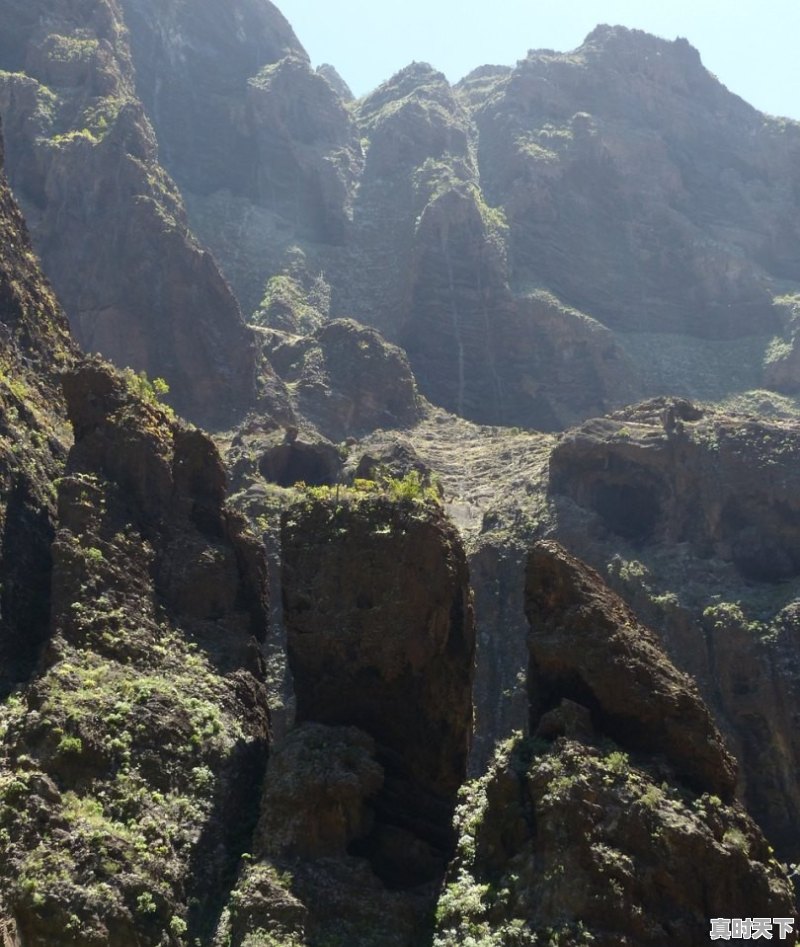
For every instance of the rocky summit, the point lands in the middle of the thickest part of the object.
(473, 615)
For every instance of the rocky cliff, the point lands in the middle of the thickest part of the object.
(128, 762)
(107, 221)
(491, 228)
(33, 440)
(355, 831)
(580, 836)
(484, 237)
(691, 511)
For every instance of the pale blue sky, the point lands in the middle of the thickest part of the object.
(751, 45)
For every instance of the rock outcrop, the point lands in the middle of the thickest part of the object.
(668, 471)
(693, 514)
(355, 829)
(587, 647)
(580, 843)
(347, 380)
(106, 219)
(380, 637)
(128, 765)
(571, 837)
(35, 345)
(262, 146)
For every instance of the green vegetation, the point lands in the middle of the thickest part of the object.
(262, 938)
(131, 730)
(778, 350)
(288, 304)
(728, 617)
(467, 910)
(152, 392)
(409, 489)
(529, 146)
(71, 49)
(15, 386)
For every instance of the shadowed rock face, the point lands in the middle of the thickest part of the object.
(580, 841)
(666, 471)
(587, 646)
(347, 380)
(702, 506)
(193, 62)
(380, 636)
(107, 221)
(570, 836)
(35, 345)
(151, 690)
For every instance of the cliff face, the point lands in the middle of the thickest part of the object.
(578, 835)
(627, 157)
(193, 62)
(106, 219)
(35, 345)
(355, 830)
(491, 228)
(382, 638)
(346, 379)
(693, 513)
(128, 763)
(262, 146)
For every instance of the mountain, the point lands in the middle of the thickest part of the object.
(35, 436)
(106, 219)
(474, 619)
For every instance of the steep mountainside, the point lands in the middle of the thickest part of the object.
(544, 241)
(107, 221)
(606, 827)
(130, 764)
(34, 346)
(376, 694)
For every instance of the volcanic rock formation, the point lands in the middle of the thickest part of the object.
(568, 835)
(106, 219)
(128, 764)
(33, 439)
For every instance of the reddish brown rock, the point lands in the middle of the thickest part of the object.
(586, 645)
(380, 636)
(107, 221)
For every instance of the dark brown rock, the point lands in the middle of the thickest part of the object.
(317, 785)
(300, 461)
(35, 344)
(380, 636)
(108, 222)
(347, 380)
(667, 471)
(148, 708)
(587, 646)
(206, 565)
(582, 844)
(693, 514)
